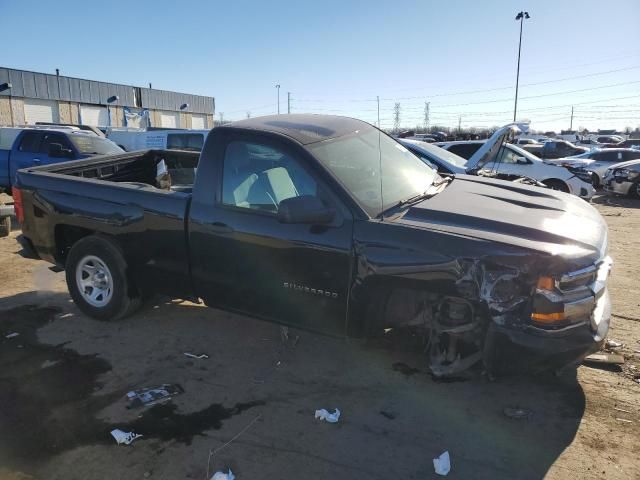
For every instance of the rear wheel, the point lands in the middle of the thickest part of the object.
(96, 274)
(558, 185)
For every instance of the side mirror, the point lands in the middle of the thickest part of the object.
(522, 161)
(57, 151)
(304, 209)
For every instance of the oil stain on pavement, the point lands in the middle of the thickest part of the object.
(47, 401)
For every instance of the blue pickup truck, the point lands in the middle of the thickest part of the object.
(34, 146)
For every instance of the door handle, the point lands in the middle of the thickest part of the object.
(220, 227)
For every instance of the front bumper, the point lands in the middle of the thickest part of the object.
(581, 189)
(534, 347)
(618, 186)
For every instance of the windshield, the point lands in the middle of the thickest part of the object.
(355, 161)
(92, 144)
(442, 154)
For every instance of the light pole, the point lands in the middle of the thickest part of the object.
(521, 16)
(278, 88)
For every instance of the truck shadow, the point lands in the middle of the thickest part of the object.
(616, 201)
(395, 417)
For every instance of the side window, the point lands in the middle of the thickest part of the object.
(50, 138)
(506, 156)
(185, 141)
(31, 142)
(465, 150)
(259, 177)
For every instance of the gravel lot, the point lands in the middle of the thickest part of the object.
(63, 382)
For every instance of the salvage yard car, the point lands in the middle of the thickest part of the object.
(512, 160)
(623, 179)
(327, 223)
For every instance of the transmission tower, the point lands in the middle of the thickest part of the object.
(396, 117)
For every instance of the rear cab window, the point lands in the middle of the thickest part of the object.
(185, 141)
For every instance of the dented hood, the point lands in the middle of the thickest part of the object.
(534, 218)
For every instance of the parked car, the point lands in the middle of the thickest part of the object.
(327, 223)
(629, 143)
(623, 179)
(555, 149)
(134, 139)
(526, 141)
(515, 161)
(598, 161)
(33, 146)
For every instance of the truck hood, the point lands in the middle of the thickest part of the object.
(538, 219)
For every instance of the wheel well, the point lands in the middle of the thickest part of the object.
(550, 182)
(66, 236)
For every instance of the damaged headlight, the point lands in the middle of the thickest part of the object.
(626, 174)
(582, 174)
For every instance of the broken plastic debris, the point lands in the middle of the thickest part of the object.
(124, 437)
(324, 414)
(612, 344)
(442, 464)
(193, 355)
(12, 335)
(223, 476)
(608, 358)
(153, 395)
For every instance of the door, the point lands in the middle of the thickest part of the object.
(169, 119)
(244, 259)
(36, 110)
(198, 121)
(27, 153)
(47, 139)
(94, 115)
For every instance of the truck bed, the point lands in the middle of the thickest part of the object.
(116, 195)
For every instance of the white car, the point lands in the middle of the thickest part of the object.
(513, 160)
(599, 160)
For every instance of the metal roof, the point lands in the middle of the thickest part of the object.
(57, 87)
(304, 128)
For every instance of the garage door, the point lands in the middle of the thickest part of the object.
(94, 116)
(169, 119)
(198, 121)
(40, 111)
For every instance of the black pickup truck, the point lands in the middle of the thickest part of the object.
(327, 223)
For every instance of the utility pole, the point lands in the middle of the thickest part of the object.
(459, 123)
(278, 88)
(571, 124)
(288, 102)
(378, 100)
(426, 116)
(521, 16)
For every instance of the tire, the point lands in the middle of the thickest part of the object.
(558, 185)
(634, 190)
(5, 227)
(97, 279)
(595, 180)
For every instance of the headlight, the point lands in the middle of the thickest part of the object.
(625, 173)
(582, 174)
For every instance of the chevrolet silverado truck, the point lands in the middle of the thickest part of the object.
(328, 224)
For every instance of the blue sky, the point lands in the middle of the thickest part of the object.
(337, 56)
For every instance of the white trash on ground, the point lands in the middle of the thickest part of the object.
(12, 335)
(124, 437)
(323, 414)
(442, 464)
(223, 476)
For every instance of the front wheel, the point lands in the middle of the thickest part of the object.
(96, 274)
